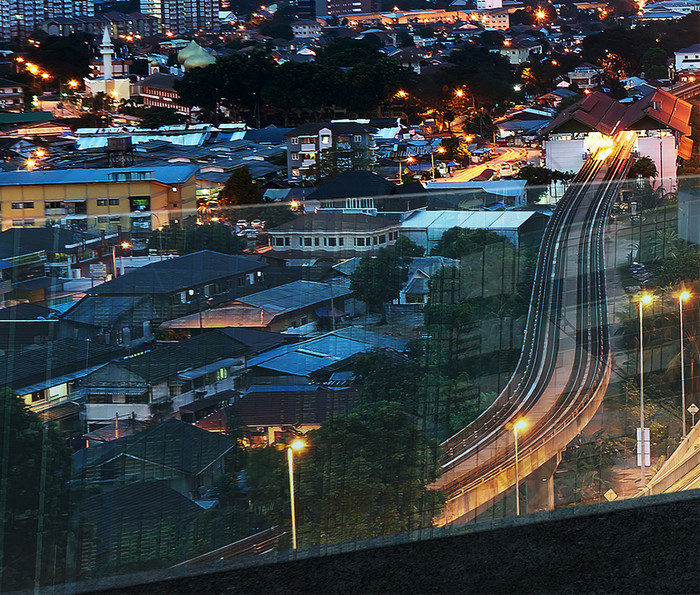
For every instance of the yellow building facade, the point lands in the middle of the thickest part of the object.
(130, 199)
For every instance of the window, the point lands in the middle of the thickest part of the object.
(17, 205)
(325, 139)
(382, 239)
(340, 241)
(101, 202)
(375, 240)
(295, 140)
(307, 241)
(357, 138)
(317, 241)
(279, 241)
(359, 241)
(295, 156)
(28, 205)
(221, 374)
(54, 204)
(287, 241)
(103, 219)
(113, 202)
(331, 241)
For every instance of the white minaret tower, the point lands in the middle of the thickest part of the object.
(107, 51)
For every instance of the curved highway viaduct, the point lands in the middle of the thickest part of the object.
(564, 367)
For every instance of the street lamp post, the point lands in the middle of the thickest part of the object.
(645, 299)
(296, 445)
(681, 298)
(440, 150)
(518, 425)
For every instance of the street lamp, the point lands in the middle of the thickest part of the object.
(641, 446)
(296, 445)
(518, 425)
(440, 150)
(681, 298)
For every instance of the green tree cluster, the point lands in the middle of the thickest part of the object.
(193, 238)
(240, 189)
(458, 242)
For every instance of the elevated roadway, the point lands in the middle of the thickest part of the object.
(564, 367)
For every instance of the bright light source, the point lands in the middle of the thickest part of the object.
(684, 296)
(73, 84)
(40, 152)
(442, 150)
(646, 299)
(520, 424)
(30, 163)
(125, 245)
(297, 445)
(517, 87)
(459, 93)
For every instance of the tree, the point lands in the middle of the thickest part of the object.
(406, 248)
(643, 167)
(366, 474)
(458, 242)
(378, 279)
(537, 178)
(155, 117)
(193, 238)
(240, 189)
(34, 474)
(63, 58)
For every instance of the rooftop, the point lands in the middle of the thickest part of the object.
(335, 222)
(177, 274)
(172, 174)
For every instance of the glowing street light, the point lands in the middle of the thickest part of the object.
(459, 92)
(73, 84)
(681, 298)
(440, 150)
(40, 153)
(540, 14)
(296, 445)
(401, 94)
(644, 300)
(30, 163)
(521, 424)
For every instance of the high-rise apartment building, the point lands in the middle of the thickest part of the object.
(19, 18)
(182, 16)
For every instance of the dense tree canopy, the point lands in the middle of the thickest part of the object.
(458, 242)
(378, 279)
(240, 189)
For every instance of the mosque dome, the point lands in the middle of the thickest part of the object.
(198, 59)
(187, 51)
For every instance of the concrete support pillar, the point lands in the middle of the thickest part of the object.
(539, 486)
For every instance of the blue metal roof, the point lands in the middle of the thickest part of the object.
(171, 174)
(303, 359)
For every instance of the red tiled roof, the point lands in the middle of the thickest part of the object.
(685, 147)
(602, 113)
(597, 111)
(663, 107)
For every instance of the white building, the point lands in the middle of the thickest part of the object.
(688, 58)
(660, 120)
(488, 4)
(305, 29)
(115, 88)
(334, 234)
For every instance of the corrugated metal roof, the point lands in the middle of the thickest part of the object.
(295, 295)
(172, 174)
(444, 220)
(303, 359)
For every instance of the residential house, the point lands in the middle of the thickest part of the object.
(349, 145)
(555, 97)
(276, 309)
(268, 414)
(158, 382)
(124, 309)
(660, 121)
(135, 199)
(70, 253)
(333, 235)
(687, 58)
(315, 360)
(185, 457)
(585, 76)
(109, 523)
(11, 95)
(518, 51)
(366, 192)
(44, 376)
(416, 289)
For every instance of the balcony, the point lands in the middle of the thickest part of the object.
(308, 147)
